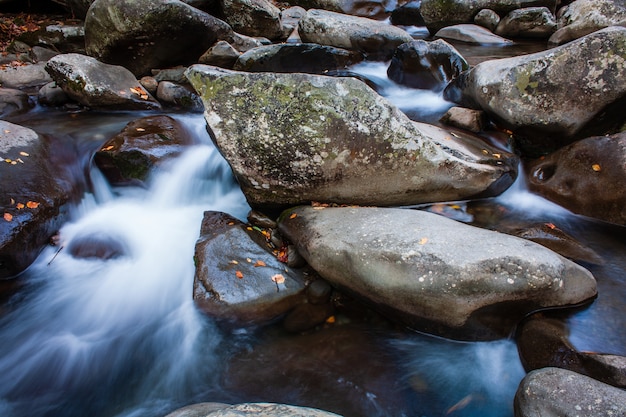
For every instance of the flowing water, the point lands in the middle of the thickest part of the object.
(121, 337)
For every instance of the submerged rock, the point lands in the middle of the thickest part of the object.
(297, 138)
(586, 177)
(558, 392)
(550, 98)
(97, 85)
(433, 273)
(129, 156)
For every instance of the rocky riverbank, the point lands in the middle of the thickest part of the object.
(325, 161)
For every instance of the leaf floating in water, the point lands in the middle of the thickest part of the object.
(12, 201)
(8, 217)
(32, 204)
(239, 274)
(596, 167)
(259, 263)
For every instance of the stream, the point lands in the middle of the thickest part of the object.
(121, 337)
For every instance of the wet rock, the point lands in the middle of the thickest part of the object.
(175, 75)
(325, 139)
(259, 219)
(145, 34)
(530, 22)
(376, 40)
(13, 102)
(318, 292)
(426, 65)
(488, 19)
(24, 76)
(306, 57)
(586, 177)
(441, 13)
(36, 191)
(244, 43)
(550, 98)
(306, 316)
(41, 54)
(583, 17)
(470, 33)
(433, 273)
(197, 410)
(253, 18)
(66, 38)
(543, 342)
(222, 54)
(99, 246)
(129, 156)
(150, 84)
(408, 14)
(289, 19)
(180, 96)
(353, 361)
(231, 284)
(469, 119)
(374, 9)
(558, 392)
(97, 85)
(52, 95)
(268, 410)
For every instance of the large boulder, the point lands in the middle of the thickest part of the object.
(35, 189)
(97, 85)
(433, 273)
(530, 22)
(297, 138)
(583, 17)
(554, 392)
(129, 156)
(426, 65)
(146, 34)
(549, 99)
(304, 57)
(474, 34)
(237, 277)
(376, 40)
(248, 409)
(441, 13)
(586, 177)
(253, 17)
(374, 9)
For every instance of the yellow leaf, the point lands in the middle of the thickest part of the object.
(330, 320)
(248, 260)
(259, 263)
(19, 206)
(24, 154)
(140, 129)
(32, 204)
(278, 278)
(234, 262)
(12, 201)
(423, 241)
(596, 167)
(293, 216)
(8, 217)
(108, 148)
(239, 274)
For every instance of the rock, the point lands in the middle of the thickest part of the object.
(13, 102)
(181, 96)
(374, 9)
(530, 22)
(228, 286)
(197, 410)
(253, 17)
(66, 38)
(101, 246)
(335, 140)
(432, 273)
(551, 98)
(408, 14)
(269, 410)
(52, 95)
(305, 57)
(175, 75)
(243, 43)
(222, 54)
(470, 33)
(583, 17)
(306, 316)
(557, 392)
(129, 156)
(354, 361)
(150, 84)
(376, 40)
(543, 342)
(586, 177)
(426, 65)
(41, 54)
(289, 19)
(24, 76)
(145, 34)
(97, 85)
(318, 292)
(441, 13)
(36, 191)
(472, 120)
(488, 19)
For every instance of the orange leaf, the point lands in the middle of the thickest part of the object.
(32, 204)
(293, 216)
(596, 167)
(239, 274)
(551, 225)
(108, 148)
(24, 154)
(259, 263)
(278, 278)
(330, 320)
(423, 241)
(19, 206)
(8, 217)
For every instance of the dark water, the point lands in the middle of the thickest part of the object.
(122, 337)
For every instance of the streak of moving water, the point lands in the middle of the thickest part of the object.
(85, 327)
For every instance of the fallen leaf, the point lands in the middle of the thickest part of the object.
(239, 274)
(259, 263)
(596, 167)
(248, 260)
(140, 129)
(32, 204)
(234, 262)
(497, 155)
(24, 154)
(278, 278)
(293, 216)
(108, 148)
(19, 206)
(231, 223)
(551, 225)
(330, 320)
(423, 241)
(8, 217)
(12, 201)
(460, 405)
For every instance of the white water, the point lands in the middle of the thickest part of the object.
(87, 325)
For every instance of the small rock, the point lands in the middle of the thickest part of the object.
(464, 118)
(488, 19)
